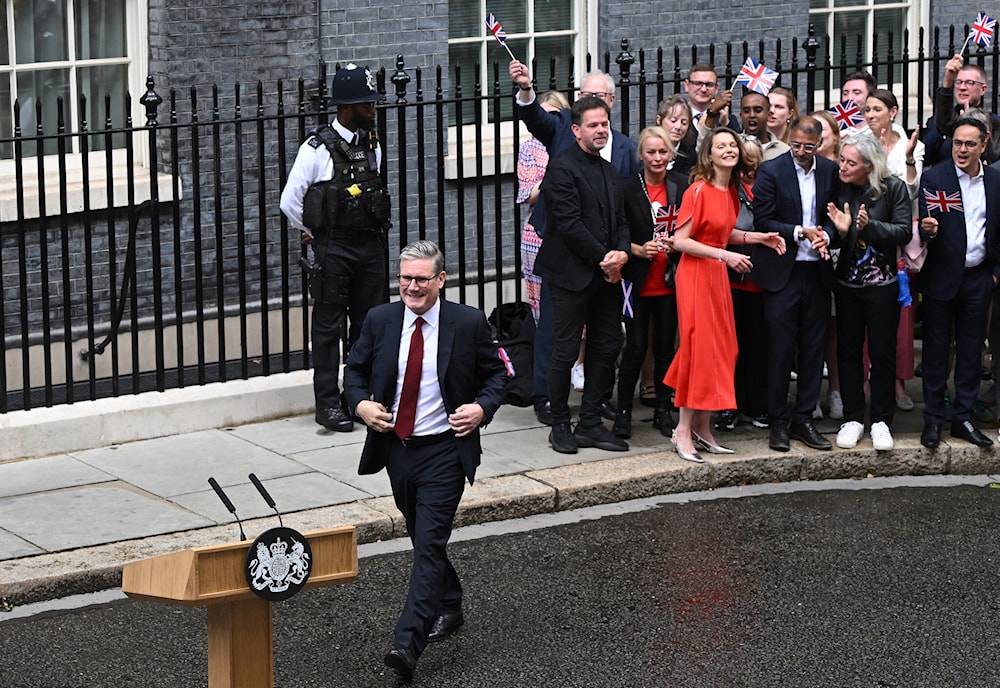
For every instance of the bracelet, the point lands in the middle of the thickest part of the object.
(911, 164)
(526, 89)
(721, 259)
(744, 236)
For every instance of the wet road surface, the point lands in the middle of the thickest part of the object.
(889, 587)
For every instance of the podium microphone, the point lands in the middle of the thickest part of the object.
(267, 497)
(229, 505)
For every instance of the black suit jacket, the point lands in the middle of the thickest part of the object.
(640, 219)
(777, 207)
(584, 222)
(942, 272)
(469, 370)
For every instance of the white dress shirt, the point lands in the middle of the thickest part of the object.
(974, 207)
(807, 191)
(431, 418)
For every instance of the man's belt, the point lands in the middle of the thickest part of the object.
(427, 440)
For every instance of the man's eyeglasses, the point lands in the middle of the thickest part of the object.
(407, 280)
(596, 94)
(703, 84)
(965, 144)
(807, 147)
(968, 82)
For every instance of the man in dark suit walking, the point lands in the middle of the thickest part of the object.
(582, 255)
(424, 376)
(790, 197)
(959, 220)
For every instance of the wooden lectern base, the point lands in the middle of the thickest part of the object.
(240, 636)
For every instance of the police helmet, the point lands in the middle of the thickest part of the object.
(353, 84)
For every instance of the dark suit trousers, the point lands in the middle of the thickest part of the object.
(427, 484)
(797, 319)
(544, 341)
(599, 307)
(751, 362)
(661, 313)
(966, 316)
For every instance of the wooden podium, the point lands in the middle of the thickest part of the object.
(240, 636)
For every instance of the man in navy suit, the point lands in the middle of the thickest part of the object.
(959, 220)
(790, 197)
(458, 384)
(555, 131)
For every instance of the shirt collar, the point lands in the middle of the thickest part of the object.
(346, 133)
(431, 317)
(800, 168)
(961, 174)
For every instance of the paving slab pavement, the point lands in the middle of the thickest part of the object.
(70, 521)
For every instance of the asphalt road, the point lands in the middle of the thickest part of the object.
(889, 587)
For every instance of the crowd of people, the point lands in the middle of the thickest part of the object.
(744, 245)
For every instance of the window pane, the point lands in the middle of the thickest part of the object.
(553, 15)
(560, 48)
(4, 45)
(512, 14)
(818, 4)
(850, 30)
(100, 29)
(850, 3)
(96, 83)
(41, 31)
(6, 121)
(464, 57)
(43, 87)
(886, 21)
(464, 19)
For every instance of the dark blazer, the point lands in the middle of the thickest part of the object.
(469, 370)
(578, 237)
(777, 207)
(640, 219)
(890, 221)
(942, 272)
(555, 131)
(940, 126)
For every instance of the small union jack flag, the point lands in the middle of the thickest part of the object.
(493, 26)
(628, 308)
(942, 202)
(507, 363)
(847, 114)
(665, 220)
(982, 30)
(756, 77)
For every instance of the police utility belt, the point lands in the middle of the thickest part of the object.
(354, 201)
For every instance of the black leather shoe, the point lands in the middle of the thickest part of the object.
(334, 419)
(401, 660)
(663, 421)
(543, 412)
(806, 432)
(623, 423)
(600, 437)
(779, 437)
(608, 411)
(931, 436)
(967, 431)
(561, 439)
(444, 626)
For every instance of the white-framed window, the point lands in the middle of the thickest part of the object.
(540, 30)
(67, 49)
(849, 21)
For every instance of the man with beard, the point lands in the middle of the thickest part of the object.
(753, 117)
(334, 196)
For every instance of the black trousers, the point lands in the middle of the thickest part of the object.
(355, 274)
(870, 313)
(427, 484)
(797, 319)
(599, 307)
(662, 312)
(966, 316)
(751, 363)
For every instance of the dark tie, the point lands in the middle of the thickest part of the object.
(406, 414)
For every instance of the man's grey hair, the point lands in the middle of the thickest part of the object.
(609, 82)
(422, 248)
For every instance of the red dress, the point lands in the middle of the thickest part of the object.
(702, 370)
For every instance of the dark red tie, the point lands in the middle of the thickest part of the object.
(406, 414)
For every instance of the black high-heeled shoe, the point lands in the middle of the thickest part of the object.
(709, 447)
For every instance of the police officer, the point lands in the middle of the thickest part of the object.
(335, 197)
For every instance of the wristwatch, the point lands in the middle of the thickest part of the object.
(799, 233)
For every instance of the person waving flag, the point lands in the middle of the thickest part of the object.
(756, 77)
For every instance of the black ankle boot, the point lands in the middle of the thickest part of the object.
(623, 423)
(663, 421)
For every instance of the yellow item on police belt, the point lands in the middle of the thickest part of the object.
(354, 190)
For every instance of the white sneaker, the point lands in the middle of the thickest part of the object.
(817, 412)
(850, 433)
(881, 437)
(836, 405)
(576, 376)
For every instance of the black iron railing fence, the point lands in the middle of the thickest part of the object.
(119, 277)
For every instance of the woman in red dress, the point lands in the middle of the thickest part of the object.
(701, 373)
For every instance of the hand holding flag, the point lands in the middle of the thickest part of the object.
(943, 203)
(756, 77)
(493, 26)
(847, 114)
